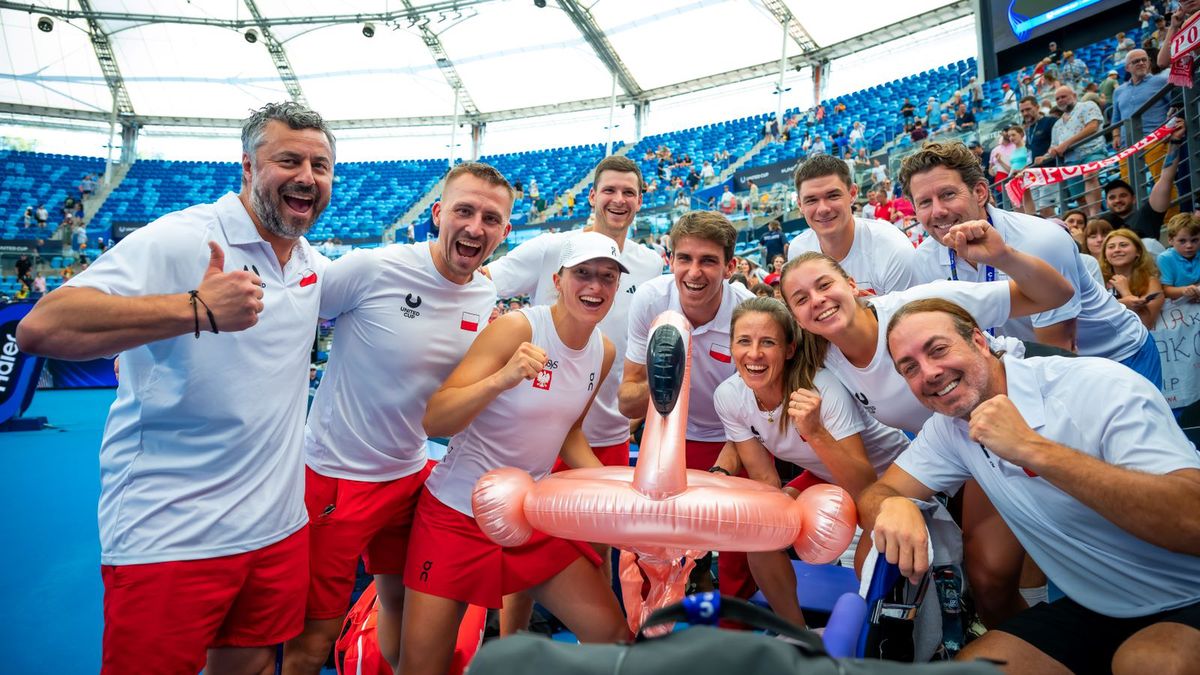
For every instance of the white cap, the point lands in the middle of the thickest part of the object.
(587, 246)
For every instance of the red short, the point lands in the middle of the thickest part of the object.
(733, 570)
(450, 557)
(348, 518)
(163, 617)
(609, 455)
(805, 480)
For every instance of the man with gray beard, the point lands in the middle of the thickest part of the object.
(204, 545)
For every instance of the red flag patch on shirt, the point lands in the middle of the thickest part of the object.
(720, 353)
(542, 379)
(308, 278)
(469, 322)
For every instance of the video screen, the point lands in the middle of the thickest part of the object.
(1016, 21)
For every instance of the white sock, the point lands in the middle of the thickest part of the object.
(1035, 595)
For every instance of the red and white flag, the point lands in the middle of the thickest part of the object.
(1039, 176)
(469, 322)
(1182, 46)
(720, 353)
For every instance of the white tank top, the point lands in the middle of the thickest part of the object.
(524, 427)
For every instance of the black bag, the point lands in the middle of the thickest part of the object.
(698, 650)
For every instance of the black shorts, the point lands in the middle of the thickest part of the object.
(1082, 640)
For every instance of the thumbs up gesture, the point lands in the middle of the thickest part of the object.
(235, 298)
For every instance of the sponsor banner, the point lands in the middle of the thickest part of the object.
(122, 229)
(768, 174)
(18, 371)
(1036, 177)
(18, 246)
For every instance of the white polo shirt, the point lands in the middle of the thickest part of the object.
(878, 387)
(712, 362)
(201, 454)
(527, 270)
(840, 413)
(880, 259)
(1095, 562)
(402, 328)
(1104, 327)
(525, 426)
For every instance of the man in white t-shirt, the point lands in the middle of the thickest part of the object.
(406, 315)
(875, 254)
(204, 549)
(616, 197)
(1100, 490)
(701, 263)
(948, 187)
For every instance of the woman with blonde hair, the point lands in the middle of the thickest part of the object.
(1132, 274)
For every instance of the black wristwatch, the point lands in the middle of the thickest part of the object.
(719, 469)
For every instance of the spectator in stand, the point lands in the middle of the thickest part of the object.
(1132, 275)
(964, 119)
(1076, 222)
(707, 173)
(869, 209)
(1056, 54)
(1048, 85)
(24, 267)
(1160, 32)
(878, 171)
(1019, 158)
(1095, 232)
(907, 111)
(42, 215)
(1186, 9)
(1124, 45)
(817, 147)
(945, 125)
(1131, 97)
(857, 137)
(728, 203)
(1178, 265)
(27, 217)
(38, 287)
(1038, 132)
(1109, 85)
(977, 149)
(1147, 218)
(1008, 102)
(1079, 121)
(1028, 88)
(777, 263)
(976, 91)
(773, 242)
(87, 186)
(533, 190)
(1000, 159)
(1073, 72)
(693, 179)
(918, 132)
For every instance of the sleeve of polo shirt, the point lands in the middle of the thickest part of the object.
(516, 272)
(899, 262)
(726, 404)
(933, 459)
(639, 325)
(1054, 246)
(161, 258)
(1167, 270)
(1138, 430)
(988, 302)
(840, 413)
(347, 281)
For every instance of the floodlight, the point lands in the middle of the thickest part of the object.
(251, 35)
(368, 30)
(540, 4)
(45, 24)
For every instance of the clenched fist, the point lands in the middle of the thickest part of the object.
(524, 364)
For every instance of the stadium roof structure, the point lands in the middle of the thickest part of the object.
(397, 63)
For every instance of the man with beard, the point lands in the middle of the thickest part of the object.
(948, 188)
(204, 549)
(1092, 486)
(406, 315)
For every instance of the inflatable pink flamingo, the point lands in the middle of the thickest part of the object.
(661, 513)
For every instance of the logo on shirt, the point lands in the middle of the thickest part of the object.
(755, 432)
(862, 398)
(252, 268)
(720, 353)
(469, 322)
(632, 289)
(542, 379)
(410, 312)
(591, 380)
(308, 277)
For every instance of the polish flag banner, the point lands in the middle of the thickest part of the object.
(1040, 176)
(469, 322)
(720, 353)
(1182, 46)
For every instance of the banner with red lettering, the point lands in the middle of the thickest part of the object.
(1177, 336)
(1039, 176)
(1182, 46)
